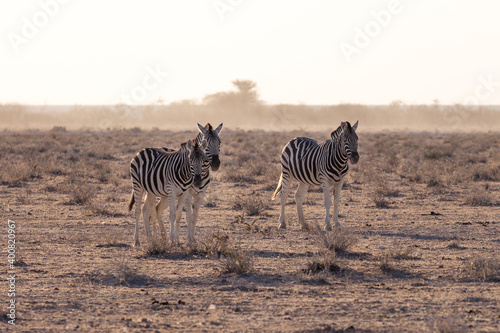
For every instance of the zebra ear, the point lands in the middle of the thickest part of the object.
(202, 129)
(343, 125)
(204, 144)
(218, 129)
(355, 126)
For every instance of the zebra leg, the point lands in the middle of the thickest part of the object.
(160, 208)
(171, 202)
(283, 196)
(178, 213)
(337, 187)
(328, 203)
(138, 194)
(149, 205)
(197, 200)
(189, 214)
(299, 199)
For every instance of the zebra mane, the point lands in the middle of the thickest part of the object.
(335, 134)
(199, 138)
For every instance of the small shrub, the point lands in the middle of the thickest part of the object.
(237, 262)
(386, 264)
(124, 274)
(402, 251)
(323, 262)
(483, 268)
(23, 196)
(213, 244)
(479, 199)
(81, 194)
(58, 129)
(380, 201)
(211, 200)
(339, 240)
(485, 173)
(447, 325)
(159, 247)
(250, 204)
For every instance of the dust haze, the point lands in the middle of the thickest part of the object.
(242, 108)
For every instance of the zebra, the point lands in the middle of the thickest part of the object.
(162, 173)
(313, 163)
(197, 192)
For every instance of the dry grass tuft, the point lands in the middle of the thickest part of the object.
(81, 194)
(400, 251)
(322, 262)
(483, 268)
(386, 264)
(251, 205)
(447, 325)
(339, 240)
(213, 244)
(159, 247)
(478, 198)
(237, 262)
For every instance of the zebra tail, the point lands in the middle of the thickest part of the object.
(131, 202)
(278, 189)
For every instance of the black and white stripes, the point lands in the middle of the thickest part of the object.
(161, 173)
(312, 163)
(197, 191)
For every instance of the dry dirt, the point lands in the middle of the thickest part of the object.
(422, 211)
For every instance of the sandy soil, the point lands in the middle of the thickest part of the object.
(423, 223)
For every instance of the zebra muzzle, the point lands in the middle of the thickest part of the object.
(197, 180)
(215, 163)
(354, 157)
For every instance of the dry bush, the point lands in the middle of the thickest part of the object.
(211, 200)
(212, 244)
(483, 268)
(485, 173)
(479, 198)
(112, 239)
(23, 196)
(237, 174)
(322, 262)
(250, 204)
(339, 240)
(386, 264)
(401, 251)
(447, 325)
(124, 274)
(159, 247)
(81, 194)
(237, 262)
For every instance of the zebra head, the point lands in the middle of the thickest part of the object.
(197, 158)
(213, 141)
(350, 140)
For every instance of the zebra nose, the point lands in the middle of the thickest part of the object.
(197, 180)
(354, 157)
(215, 162)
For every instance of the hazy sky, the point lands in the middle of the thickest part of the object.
(313, 52)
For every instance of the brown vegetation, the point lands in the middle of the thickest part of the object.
(426, 261)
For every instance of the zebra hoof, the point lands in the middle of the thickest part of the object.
(283, 226)
(137, 243)
(328, 228)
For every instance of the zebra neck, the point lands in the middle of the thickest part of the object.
(338, 159)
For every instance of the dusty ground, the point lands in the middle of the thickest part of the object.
(421, 210)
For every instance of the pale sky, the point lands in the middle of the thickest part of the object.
(312, 52)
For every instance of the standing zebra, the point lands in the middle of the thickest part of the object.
(313, 163)
(162, 173)
(197, 192)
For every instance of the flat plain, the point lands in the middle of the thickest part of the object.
(418, 250)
